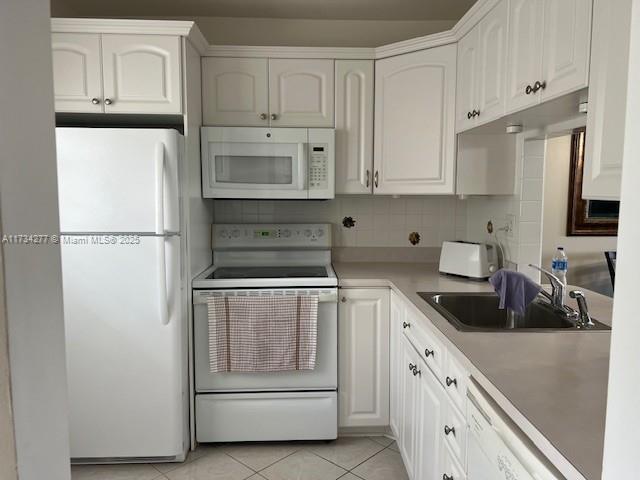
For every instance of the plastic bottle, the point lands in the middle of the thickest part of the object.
(560, 265)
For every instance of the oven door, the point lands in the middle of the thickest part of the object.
(254, 162)
(323, 377)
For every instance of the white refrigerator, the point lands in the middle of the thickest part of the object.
(125, 309)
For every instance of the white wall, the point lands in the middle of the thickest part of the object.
(622, 435)
(587, 264)
(380, 221)
(28, 204)
(311, 32)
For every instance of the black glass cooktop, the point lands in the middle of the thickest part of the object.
(268, 272)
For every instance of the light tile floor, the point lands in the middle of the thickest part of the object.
(348, 458)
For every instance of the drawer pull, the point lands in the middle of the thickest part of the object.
(446, 477)
(448, 430)
(428, 353)
(416, 371)
(406, 325)
(411, 366)
(451, 381)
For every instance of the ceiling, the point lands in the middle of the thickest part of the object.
(315, 9)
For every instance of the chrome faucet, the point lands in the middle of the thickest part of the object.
(584, 320)
(558, 288)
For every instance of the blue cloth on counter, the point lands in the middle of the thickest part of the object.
(515, 289)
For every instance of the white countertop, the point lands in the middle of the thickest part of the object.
(552, 384)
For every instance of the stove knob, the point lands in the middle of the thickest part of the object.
(307, 233)
(222, 233)
(320, 232)
(235, 233)
(286, 233)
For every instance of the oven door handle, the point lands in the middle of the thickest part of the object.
(201, 297)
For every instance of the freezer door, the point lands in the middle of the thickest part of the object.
(118, 180)
(124, 347)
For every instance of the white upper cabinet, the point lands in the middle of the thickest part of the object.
(607, 100)
(142, 73)
(548, 50)
(414, 141)
(467, 87)
(235, 91)
(364, 358)
(301, 92)
(524, 57)
(77, 78)
(567, 41)
(492, 63)
(114, 73)
(354, 126)
(482, 58)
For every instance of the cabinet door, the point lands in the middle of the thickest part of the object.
(431, 405)
(301, 92)
(408, 396)
(567, 39)
(398, 315)
(142, 73)
(467, 80)
(364, 357)
(607, 100)
(414, 141)
(235, 91)
(525, 48)
(354, 126)
(492, 60)
(77, 75)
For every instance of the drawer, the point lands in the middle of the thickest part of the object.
(431, 350)
(455, 380)
(254, 417)
(451, 469)
(455, 432)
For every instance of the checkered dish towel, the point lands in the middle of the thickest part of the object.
(262, 334)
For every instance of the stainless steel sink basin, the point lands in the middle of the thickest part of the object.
(479, 312)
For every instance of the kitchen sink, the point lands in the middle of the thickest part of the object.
(479, 312)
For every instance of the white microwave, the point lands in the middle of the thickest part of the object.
(268, 163)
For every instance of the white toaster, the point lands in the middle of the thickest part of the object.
(468, 259)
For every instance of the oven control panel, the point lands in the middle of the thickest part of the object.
(318, 166)
(257, 236)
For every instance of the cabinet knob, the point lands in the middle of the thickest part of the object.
(406, 325)
(528, 90)
(368, 178)
(343, 299)
(411, 366)
(451, 381)
(469, 115)
(446, 477)
(416, 371)
(95, 101)
(108, 101)
(428, 353)
(476, 113)
(274, 116)
(263, 116)
(375, 179)
(448, 430)
(539, 86)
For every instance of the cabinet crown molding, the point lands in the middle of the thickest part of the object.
(190, 30)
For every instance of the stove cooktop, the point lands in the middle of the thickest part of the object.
(268, 272)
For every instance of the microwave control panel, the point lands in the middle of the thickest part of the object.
(318, 166)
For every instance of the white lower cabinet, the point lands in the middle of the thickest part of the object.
(397, 317)
(363, 374)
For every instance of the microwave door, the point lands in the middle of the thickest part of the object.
(257, 170)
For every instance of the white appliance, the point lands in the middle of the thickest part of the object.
(469, 259)
(497, 449)
(125, 311)
(256, 260)
(275, 163)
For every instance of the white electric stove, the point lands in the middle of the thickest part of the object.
(265, 260)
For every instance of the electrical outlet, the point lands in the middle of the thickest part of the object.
(510, 222)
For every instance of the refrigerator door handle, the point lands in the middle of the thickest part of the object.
(159, 188)
(163, 301)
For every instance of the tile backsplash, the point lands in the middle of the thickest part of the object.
(379, 221)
